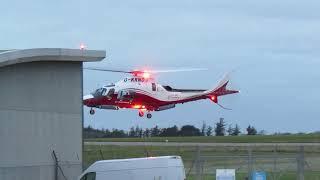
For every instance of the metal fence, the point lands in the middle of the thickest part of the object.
(279, 161)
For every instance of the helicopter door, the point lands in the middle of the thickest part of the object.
(125, 95)
(110, 93)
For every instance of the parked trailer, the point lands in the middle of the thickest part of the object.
(150, 168)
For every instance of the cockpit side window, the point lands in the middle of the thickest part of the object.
(154, 87)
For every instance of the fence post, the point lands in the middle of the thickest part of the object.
(198, 164)
(249, 162)
(275, 157)
(55, 165)
(300, 163)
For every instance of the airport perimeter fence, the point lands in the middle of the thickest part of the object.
(279, 161)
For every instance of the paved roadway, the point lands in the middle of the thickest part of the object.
(199, 144)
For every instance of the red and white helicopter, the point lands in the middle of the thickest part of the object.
(141, 92)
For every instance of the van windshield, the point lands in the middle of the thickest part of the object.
(89, 176)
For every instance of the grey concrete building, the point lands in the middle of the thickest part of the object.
(41, 112)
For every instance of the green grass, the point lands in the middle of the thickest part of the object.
(220, 157)
(305, 138)
(217, 157)
(286, 176)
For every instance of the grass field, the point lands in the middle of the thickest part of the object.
(282, 164)
(279, 165)
(304, 138)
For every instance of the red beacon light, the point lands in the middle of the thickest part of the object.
(146, 75)
(142, 74)
(82, 46)
(214, 99)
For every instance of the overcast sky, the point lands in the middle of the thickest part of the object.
(272, 45)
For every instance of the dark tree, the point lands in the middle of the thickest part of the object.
(251, 130)
(107, 133)
(230, 130)
(236, 130)
(209, 131)
(137, 132)
(155, 131)
(171, 131)
(189, 130)
(220, 127)
(146, 133)
(203, 129)
(118, 133)
(132, 132)
(140, 132)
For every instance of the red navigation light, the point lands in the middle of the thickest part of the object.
(214, 99)
(146, 75)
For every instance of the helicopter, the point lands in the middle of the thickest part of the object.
(140, 91)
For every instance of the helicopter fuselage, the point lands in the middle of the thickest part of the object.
(145, 94)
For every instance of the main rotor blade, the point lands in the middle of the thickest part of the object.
(175, 70)
(108, 70)
(134, 72)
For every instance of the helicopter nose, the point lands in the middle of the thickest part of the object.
(87, 98)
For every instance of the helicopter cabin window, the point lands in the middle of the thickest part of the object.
(125, 95)
(154, 87)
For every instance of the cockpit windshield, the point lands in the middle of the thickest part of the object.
(99, 92)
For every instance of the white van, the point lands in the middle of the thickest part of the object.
(150, 168)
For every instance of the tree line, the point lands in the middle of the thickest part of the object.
(220, 128)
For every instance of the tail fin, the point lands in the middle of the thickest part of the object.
(221, 88)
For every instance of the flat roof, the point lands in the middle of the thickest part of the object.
(10, 57)
(135, 163)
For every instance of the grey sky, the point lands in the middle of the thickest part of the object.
(273, 46)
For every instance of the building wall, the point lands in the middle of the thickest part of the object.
(40, 111)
